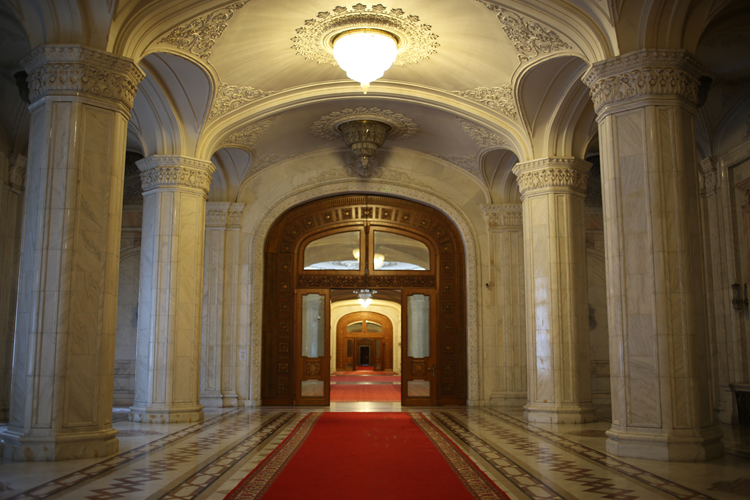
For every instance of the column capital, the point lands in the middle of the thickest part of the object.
(216, 213)
(708, 175)
(235, 214)
(17, 171)
(174, 172)
(75, 70)
(504, 216)
(648, 73)
(568, 175)
(744, 186)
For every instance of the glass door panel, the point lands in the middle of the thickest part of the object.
(313, 373)
(419, 358)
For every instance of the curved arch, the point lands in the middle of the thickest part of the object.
(256, 252)
(387, 334)
(153, 120)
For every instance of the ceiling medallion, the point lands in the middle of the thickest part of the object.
(414, 42)
(327, 127)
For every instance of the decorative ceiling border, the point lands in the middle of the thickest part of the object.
(498, 98)
(199, 35)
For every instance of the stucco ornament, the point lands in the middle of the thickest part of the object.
(401, 126)
(231, 97)
(498, 98)
(170, 171)
(314, 40)
(249, 135)
(199, 35)
(503, 216)
(530, 38)
(465, 162)
(552, 174)
(481, 136)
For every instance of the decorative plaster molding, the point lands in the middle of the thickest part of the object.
(337, 174)
(657, 73)
(17, 172)
(465, 162)
(416, 41)
(263, 161)
(744, 186)
(498, 98)
(230, 97)
(81, 70)
(250, 134)
(379, 187)
(199, 35)
(481, 136)
(708, 175)
(503, 216)
(327, 126)
(216, 214)
(551, 174)
(529, 38)
(163, 171)
(234, 215)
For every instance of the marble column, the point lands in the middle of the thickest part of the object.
(505, 225)
(167, 376)
(559, 383)
(63, 365)
(13, 171)
(231, 354)
(661, 395)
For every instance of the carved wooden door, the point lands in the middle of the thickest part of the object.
(418, 348)
(313, 387)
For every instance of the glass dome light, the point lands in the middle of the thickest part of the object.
(365, 54)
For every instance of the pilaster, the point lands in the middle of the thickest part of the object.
(506, 289)
(167, 379)
(61, 402)
(559, 385)
(661, 395)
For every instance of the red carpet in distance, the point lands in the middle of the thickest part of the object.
(356, 392)
(367, 456)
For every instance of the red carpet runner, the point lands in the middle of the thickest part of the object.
(367, 456)
(374, 392)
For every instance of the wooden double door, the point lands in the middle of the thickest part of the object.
(364, 339)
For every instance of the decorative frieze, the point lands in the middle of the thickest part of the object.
(498, 98)
(216, 214)
(656, 73)
(167, 171)
(568, 174)
(708, 175)
(234, 215)
(199, 35)
(504, 216)
(17, 171)
(81, 70)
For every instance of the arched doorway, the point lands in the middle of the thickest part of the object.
(364, 339)
(363, 242)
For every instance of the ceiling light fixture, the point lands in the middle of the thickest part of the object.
(365, 297)
(364, 137)
(365, 54)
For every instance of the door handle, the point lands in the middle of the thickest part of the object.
(433, 370)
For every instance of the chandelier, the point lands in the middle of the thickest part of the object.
(365, 54)
(364, 137)
(364, 297)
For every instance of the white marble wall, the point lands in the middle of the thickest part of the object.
(661, 397)
(61, 402)
(127, 328)
(507, 300)
(171, 289)
(557, 319)
(12, 174)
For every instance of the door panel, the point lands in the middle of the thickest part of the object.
(313, 357)
(418, 354)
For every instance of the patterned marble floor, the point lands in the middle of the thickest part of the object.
(206, 460)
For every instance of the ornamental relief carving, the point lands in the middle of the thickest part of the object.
(17, 171)
(199, 35)
(175, 171)
(481, 136)
(529, 38)
(503, 216)
(249, 135)
(708, 175)
(498, 98)
(231, 97)
(402, 127)
(76, 69)
(464, 162)
(552, 173)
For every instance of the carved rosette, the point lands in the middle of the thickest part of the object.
(566, 175)
(504, 216)
(17, 172)
(77, 70)
(708, 176)
(643, 74)
(175, 172)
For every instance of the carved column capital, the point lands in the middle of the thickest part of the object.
(647, 73)
(216, 214)
(744, 186)
(708, 176)
(567, 175)
(78, 70)
(234, 215)
(175, 172)
(17, 171)
(505, 216)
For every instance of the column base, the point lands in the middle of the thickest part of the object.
(153, 415)
(229, 400)
(29, 448)
(211, 399)
(571, 414)
(703, 445)
(508, 399)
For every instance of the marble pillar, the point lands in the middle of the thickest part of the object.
(13, 172)
(61, 401)
(232, 356)
(557, 319)
(167, 376)
(661, 395)
(505, 226)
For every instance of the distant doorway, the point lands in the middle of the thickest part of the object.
(364, 355)
(364, 338)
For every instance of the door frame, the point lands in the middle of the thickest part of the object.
(342, 336)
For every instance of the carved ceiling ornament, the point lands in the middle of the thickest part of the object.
(465, 162)
(314, 40)
(91, 72)
(649, 72)
(231, 97)
(172, 171)
(552, 174)
(401, 126)
(503, 216)
(529, 38)
(249, 135)
(481, 136)
(498, 98)
(199, 35)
